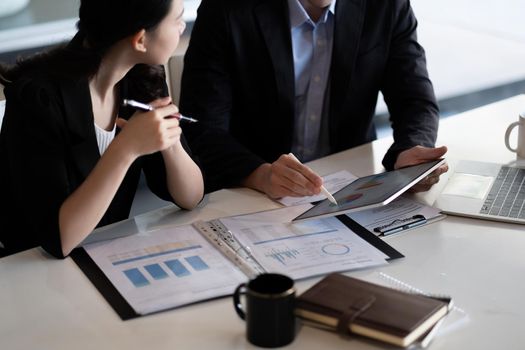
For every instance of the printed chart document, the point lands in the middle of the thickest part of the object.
(302, 249)
(165, 268)
(174, 266)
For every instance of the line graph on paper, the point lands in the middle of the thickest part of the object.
(282, 255)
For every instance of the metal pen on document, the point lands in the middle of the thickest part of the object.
(420, 220)
(323, 189)
(146, 107)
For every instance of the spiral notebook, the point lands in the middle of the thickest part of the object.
(180, 265)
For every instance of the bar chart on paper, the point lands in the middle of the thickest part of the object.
(158, 271)
(165, 266)
(169, 270)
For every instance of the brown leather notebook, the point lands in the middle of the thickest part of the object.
(351, 305)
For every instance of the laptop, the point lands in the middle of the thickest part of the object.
(486, 191)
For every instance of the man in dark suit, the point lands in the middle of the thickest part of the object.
(269, 77)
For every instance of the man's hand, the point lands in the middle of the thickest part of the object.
(284, 177)
(418, 155)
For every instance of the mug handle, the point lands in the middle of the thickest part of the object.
(237, 301)
(507, 136)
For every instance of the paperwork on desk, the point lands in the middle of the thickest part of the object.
(303, 249)
(175, 266)
(401, 208)
(165, 268)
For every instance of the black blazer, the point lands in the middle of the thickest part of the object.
(47, 149)
(239, 78)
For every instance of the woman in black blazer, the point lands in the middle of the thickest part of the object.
(70, 154)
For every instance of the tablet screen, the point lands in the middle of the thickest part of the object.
(371, 191)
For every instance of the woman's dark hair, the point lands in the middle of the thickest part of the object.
(101, 24)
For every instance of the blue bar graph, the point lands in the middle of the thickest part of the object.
(156, 271)
(136, 277)
(197, 263)
(177, 267)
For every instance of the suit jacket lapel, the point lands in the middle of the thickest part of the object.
(273, 19)
(349, 18)
(79, 120)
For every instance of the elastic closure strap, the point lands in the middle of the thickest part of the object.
(348, 317)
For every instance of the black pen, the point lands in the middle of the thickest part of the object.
(146, 107)
(419, 220)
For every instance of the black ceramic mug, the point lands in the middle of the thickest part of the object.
(269, 314)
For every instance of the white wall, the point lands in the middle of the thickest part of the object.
(472, 44)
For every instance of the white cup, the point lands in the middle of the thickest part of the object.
(520, 149)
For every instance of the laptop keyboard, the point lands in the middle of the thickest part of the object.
(507, 195)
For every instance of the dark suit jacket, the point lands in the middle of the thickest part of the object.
(239, 80)
(47, 149)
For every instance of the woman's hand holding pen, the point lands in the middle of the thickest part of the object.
(285, 177)
(152, 131)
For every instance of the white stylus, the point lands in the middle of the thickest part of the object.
(323, 189)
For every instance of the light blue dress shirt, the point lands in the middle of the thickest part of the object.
(312, 54)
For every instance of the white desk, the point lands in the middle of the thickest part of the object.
(50, 304)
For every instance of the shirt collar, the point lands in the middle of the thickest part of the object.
(298, 14)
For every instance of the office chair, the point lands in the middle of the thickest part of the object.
(174, 75)
(2, 110)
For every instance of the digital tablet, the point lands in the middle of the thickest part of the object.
(371, 191)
